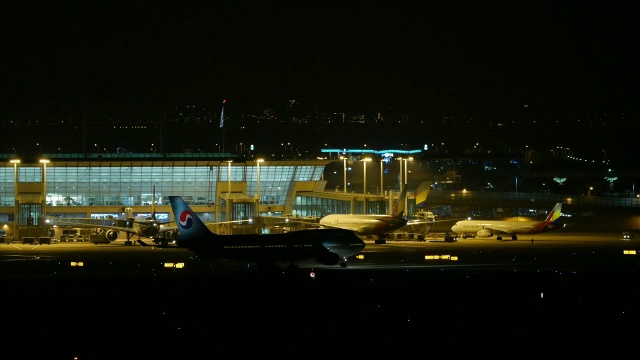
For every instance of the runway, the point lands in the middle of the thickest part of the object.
(565, 293)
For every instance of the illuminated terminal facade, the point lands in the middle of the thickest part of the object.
(218, 186)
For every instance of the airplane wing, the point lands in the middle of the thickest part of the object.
(358, 230)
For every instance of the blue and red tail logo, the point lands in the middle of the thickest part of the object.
(186, 219)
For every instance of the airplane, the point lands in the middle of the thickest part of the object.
(487, 228)
(326, 246)
(142, 226)
(108, 230)
(369, 224)
(422, 216)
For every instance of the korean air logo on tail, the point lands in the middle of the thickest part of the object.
(186, 219)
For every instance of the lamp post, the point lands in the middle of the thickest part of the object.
(44, 163)
(15, 163)
(381, 176)
(364, 201)
(406, 169)
(344, 172)
(400, 183)
(228, 217)
(406, 182)
(258, 161)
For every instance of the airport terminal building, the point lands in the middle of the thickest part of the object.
(218, 186)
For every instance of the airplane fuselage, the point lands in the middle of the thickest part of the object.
(364, 224)
(506, 227)
(328, 246)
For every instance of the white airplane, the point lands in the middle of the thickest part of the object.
(143, 226)
(326, 246)
(108, 230)
(487, 228)
(365, 224)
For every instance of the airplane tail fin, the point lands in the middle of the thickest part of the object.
(553, 216)
(398, 208)
(190, 227)
(422, 192)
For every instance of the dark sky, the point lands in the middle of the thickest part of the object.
(137, 58)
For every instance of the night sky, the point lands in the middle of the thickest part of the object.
(134, 60)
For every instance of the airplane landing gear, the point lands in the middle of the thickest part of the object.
(343, 262)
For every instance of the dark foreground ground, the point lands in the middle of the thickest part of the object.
(520, 300)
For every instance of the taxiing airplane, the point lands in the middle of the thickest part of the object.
(487, 228)
(326, 246)
(369, 224)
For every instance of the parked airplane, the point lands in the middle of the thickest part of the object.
(487, 228)
(326, 246)
(143, 226)
(422, 216)
(369, 224)
(108, 230)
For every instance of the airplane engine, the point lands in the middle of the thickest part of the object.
(328, 258)
(104, 237)
(111, 235)
(484, 233)
(171, 235)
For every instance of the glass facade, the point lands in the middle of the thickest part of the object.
(130, 185)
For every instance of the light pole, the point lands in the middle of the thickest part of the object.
(15, 163)
(344, 172)
(381, 176)
(228, 217)
(401, 183)
(364, 201)
(406, 181)
(44, 163)
(258, 161)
